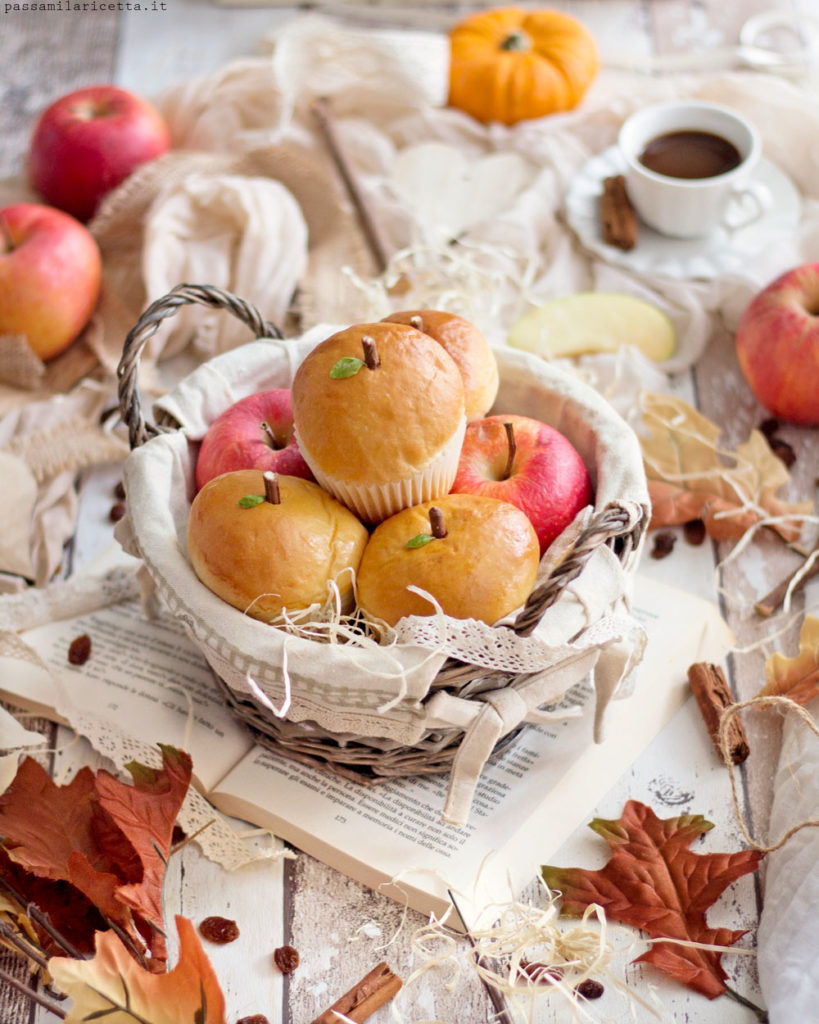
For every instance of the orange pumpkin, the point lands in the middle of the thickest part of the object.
(508, 64)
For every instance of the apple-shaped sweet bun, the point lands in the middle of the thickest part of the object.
(254, 433)
(467, 346)
(265, 543)
(529, 464)
(379, 417)
(478, 557)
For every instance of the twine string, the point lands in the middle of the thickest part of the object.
(783, 704)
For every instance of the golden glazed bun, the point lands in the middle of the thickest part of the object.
(483, 568)
(467, 346)
(268, 557)
(382, 438)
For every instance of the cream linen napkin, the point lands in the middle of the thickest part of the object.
(43, 445)
(788, 941)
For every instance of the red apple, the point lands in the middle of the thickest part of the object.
(89, 141)
(49, 276)
(528, 464)
(778, 345)
(254, 433)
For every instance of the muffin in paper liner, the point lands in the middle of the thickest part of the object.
(374, 502)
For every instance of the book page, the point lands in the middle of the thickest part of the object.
(143, 676)
(390, 835)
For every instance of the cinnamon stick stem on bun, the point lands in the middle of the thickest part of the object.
(437, 526)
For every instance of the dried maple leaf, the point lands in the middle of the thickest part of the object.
(654, 882)
(112, 987)
(691, 477)
(797, 678)
(145, 813)
(107, 839)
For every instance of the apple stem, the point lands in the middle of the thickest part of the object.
(509, 427)
(416, 322)
(371, 358)
(8, 241)
(271, 488)
(271, 437)
(436, 523)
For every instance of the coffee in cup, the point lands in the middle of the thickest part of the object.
(689, 166)
(690, 154)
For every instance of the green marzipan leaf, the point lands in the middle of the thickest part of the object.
(250, 500)
(419, 540)
(347, 366)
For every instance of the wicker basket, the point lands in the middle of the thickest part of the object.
(359, 753)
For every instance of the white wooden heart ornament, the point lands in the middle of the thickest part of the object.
(448, 191)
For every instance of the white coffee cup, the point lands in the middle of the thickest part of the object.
(691, 207)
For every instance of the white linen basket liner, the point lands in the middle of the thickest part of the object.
(399, 696)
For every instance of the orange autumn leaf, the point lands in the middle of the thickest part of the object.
(112, 987)
(798, 677)
(145, 813)
(691, 477)
(654, 882)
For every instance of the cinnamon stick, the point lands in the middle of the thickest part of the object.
(709, 686)
(363, 999)
(618, 219)
(767, 605)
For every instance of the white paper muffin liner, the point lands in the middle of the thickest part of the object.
(374, 502)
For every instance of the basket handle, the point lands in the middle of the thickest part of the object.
(130, 404)
(621, 526)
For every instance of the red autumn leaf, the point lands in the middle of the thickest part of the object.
(654, 882)
(108, 840)
(114, 988)
(49, 831)
(72, 914)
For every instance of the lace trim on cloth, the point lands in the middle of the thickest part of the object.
(503, 650)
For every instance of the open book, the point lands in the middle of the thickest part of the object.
(151, 683)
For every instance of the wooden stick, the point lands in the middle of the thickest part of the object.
(372, 231)
(709, 686)
(363, 999)
(502, 1014)
(771, 602)
(44, 1001)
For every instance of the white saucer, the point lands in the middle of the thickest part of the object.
(700, 258)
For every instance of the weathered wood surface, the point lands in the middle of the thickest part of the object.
(45, 54)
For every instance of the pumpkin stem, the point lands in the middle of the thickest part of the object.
(517, 41)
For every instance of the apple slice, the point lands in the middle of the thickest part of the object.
(594, 322)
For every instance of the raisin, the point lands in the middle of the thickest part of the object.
(663, 544)
(769, 427)
(257, 1018)
(542, 974)
(119, 491)
(116, 512)
(286, 958)
(694, 531)
(589, 989)
(219, 929)
(79, 650)
(782, 450)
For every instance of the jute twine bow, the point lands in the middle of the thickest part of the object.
(784, 704)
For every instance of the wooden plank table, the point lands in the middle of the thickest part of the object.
(46, 54)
